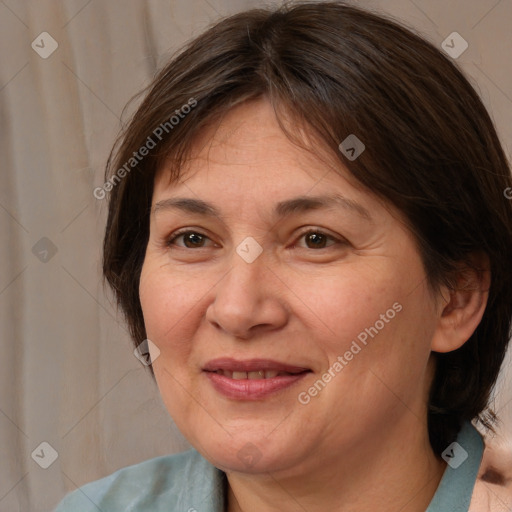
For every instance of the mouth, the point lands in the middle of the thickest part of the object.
(252, 379)
(252, 368)
(259, 374)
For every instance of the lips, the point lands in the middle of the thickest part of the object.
(252, 380)
(260, 374)
(252, 369)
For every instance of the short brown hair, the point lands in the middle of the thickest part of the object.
(431, 150)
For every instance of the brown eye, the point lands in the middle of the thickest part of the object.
(317, 240)
(191, 239)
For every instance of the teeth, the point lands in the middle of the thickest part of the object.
(260, 374)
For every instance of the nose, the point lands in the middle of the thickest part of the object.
(249, 300)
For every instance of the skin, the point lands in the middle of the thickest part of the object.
(493, 489)
(302, 305)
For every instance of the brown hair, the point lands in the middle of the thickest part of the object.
(431, 150)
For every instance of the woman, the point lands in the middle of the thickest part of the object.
(309, 235)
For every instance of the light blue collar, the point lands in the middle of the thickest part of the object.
(456, 487)
(188, 482)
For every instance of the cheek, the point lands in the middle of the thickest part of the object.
(362, 298)
(345, 306)
(379, 318)
(168, 309)
(167, 306)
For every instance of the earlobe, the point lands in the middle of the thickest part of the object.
(462, 308)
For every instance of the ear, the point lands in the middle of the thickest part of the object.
(461, 308)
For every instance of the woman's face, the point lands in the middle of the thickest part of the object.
(286, 267)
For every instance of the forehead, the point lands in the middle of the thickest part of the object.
(248, 147)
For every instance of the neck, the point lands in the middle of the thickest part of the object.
(396, 471)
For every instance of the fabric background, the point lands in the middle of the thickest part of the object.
(68, 376)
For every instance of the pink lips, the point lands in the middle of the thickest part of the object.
(250, 365)
(219, 372)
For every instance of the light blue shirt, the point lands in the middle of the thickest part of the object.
(186, 482)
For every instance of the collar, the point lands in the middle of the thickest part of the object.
(463, 457)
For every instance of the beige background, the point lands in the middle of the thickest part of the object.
(67, 373)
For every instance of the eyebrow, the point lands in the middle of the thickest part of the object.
(282, 209)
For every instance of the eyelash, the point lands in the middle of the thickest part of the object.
(174, 236)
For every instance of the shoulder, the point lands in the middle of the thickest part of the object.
(185, 481)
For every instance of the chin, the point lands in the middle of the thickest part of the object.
(243, 454)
